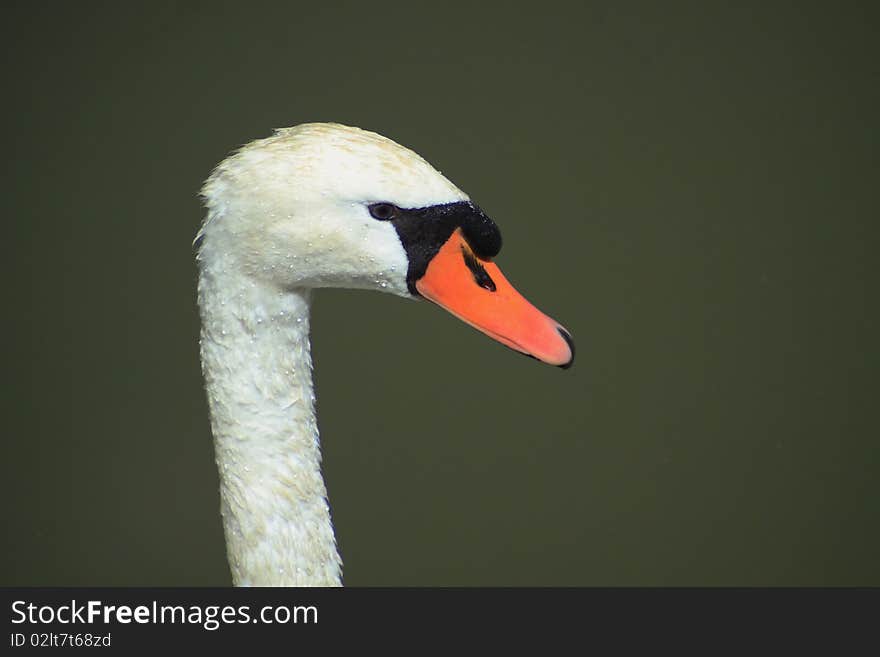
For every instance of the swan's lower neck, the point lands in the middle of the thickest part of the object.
(257, 367)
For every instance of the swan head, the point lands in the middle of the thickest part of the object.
(327, 205)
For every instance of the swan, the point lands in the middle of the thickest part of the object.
(323, 205)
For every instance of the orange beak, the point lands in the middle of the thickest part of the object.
(476, 292)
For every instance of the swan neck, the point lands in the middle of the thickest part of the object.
(258, 376)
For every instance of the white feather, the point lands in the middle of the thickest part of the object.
(284, 215)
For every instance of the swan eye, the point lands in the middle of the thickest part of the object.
(383, 211)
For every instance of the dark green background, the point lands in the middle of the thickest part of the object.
(691, 189)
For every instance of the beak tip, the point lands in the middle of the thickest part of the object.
(570, 342)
